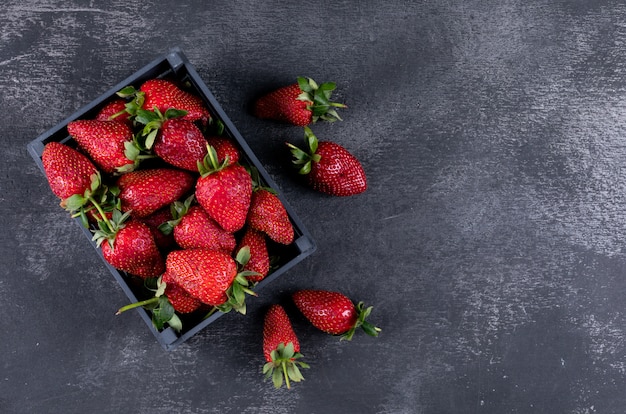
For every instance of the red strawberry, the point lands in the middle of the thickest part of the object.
(299, 104)
(267, 214)
(129, 247)
(329, 167)
(224, 191)
(68, 171)
(181, 144)
(281, 348)
(224, 147)
(145, 191)
(259, 261)
(164, 94)
(209, 275)
(180, 299)
(196, 230)
(156, 219)
(106, 143)
(334, 313)
(114, 110)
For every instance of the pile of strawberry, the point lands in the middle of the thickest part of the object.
(172, 203)
(169, 200)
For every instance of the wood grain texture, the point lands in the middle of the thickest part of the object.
(490, 240)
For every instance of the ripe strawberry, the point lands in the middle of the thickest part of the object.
(329, 167)
(164, 94)
(180, 299)
(300, 104)
(259, 261)
(334, 313)
(224, 191)
(106, 143)
(129, 246)
(68, 171)
(224, 147)
(181, 144)
(209, 275)
(114, 110)
(195, 230)
(145, 191)
(177, 141)
(268, 215)
(281, 348)
(156, 219)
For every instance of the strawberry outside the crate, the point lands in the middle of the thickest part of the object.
(334, 313)
(300, 104)
(328, 167)
(281, 348)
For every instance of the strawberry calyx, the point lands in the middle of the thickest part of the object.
(211, 164)
(318, 97)
(99, 197)
(136, 100)
(159, 305)
(153, 121)
(257, 183)
(304, 159)
(108, 229)
(284, 365)
(237, 291)
(178, 210)
(361, 322)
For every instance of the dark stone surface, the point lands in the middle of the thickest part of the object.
(490, 240)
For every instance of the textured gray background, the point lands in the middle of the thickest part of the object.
(490, 240)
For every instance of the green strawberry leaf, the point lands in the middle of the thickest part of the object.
(172, 113)
(162, 313)
(175, 323)
(145, 117)
(127, 92)
(243, 255)
(74, 202)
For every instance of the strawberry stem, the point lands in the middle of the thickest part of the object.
(286, 375)
(137, 304)
(100, 211)
(211, 312)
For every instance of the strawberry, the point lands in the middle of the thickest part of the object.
(224, 147)
(177, 141)
(164, 94)
(180, 299)
(68, 171)
(334, 313)
(300, 104)
(106, 142)
(259, 261)
(194, 229)
(224, 191)
(209, 275)
(329, 167)
(114, 110)
(181, 144)
(145, 191)
(281, 348)
(154, 221)
(268, 215)
(129, 246)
